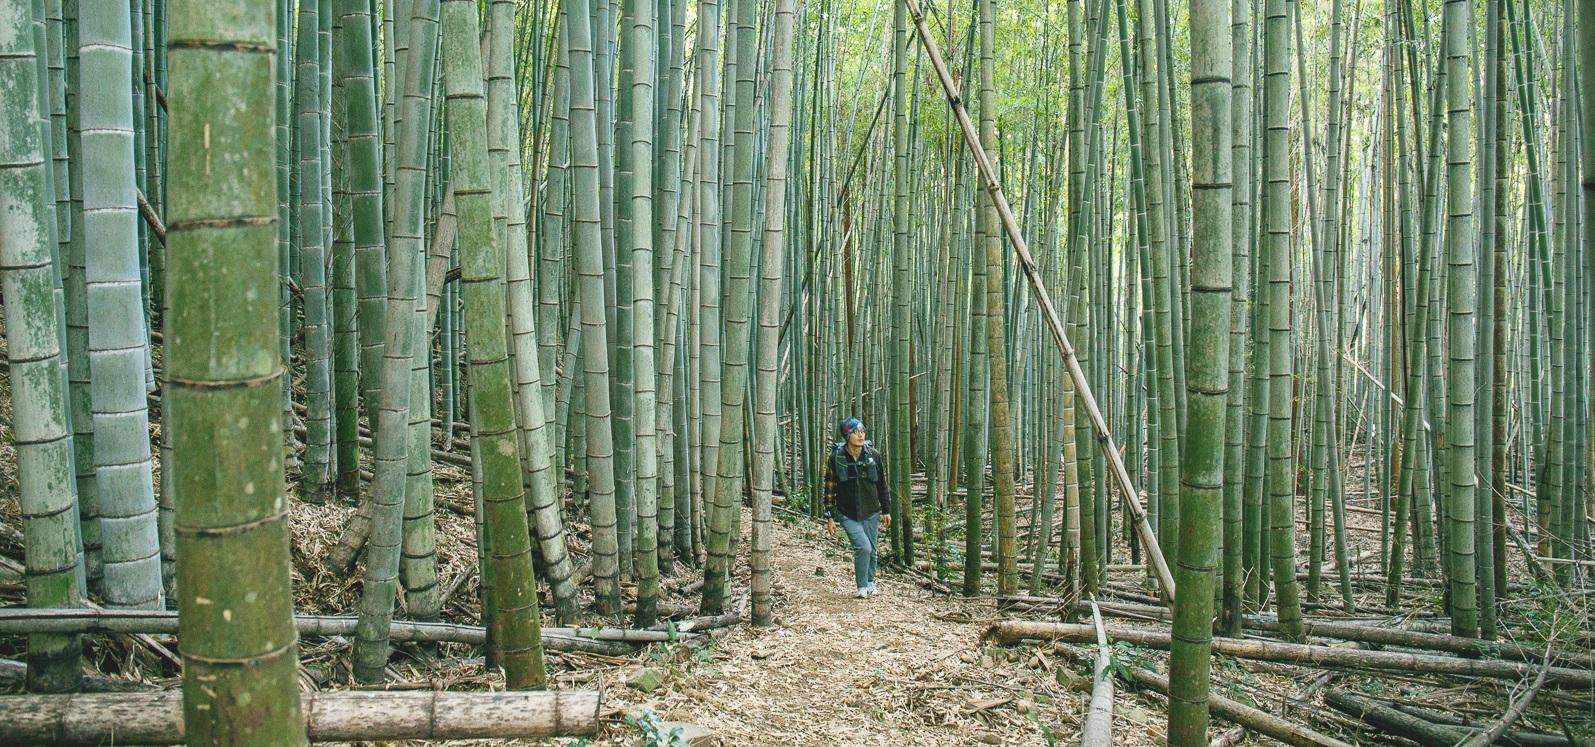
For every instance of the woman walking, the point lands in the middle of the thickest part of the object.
(855, 487)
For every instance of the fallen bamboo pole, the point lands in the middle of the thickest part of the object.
(1097, 731)
(1257, 720)
(23, 621)
(157, 718)
(1404, 637)
(1008, 631)
(1049, 313)
(1511, 738)
(1396, 722)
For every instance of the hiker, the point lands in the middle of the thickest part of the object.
(855, 487)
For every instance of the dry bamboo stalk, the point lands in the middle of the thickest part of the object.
(1300, 653)
(1257, 720)
(1346, 631)
(157, 718)
(1097, 731)
(611, 641)
(1049, 313)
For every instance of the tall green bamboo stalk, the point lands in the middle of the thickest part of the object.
(1277, 230)
(235, 603)
(542, 507)
(586, 231)
(316, 481)
(770, 297)
(516, 628)
(1237, 420)
(393, 434)
(28, 277)
(641, 49)
(1462, 336)
(117, 337)
(738, 268)
(1207, 380)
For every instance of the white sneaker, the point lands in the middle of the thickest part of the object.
(872, 589)
(862, 593)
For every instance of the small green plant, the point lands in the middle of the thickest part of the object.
(652, 728)
(1046, 731)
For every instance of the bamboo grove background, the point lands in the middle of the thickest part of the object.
(1317, 261)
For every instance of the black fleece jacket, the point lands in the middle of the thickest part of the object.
(856, 487)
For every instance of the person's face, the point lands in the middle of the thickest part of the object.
(856, 437)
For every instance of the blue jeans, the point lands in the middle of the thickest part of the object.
(865, 536)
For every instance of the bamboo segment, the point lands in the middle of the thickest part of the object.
(234, 568)
(157, 718)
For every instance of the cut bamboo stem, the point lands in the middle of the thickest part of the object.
(1097, 731)
(157, 718)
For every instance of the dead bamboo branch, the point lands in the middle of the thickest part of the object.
(1360, 633)
(1513, 712)
(157, 718)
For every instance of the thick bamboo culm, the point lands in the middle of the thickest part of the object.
(157, 718)
(1300, 653)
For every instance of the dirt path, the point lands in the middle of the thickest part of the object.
(903, 668)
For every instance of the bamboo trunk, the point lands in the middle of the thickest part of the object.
(157, 718)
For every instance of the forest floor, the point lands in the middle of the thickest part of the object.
(906, 667)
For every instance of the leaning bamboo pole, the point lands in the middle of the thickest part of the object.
(1049, 313)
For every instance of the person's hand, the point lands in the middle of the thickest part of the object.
(830, 527)
(886, 521)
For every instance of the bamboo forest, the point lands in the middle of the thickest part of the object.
(797, 372)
